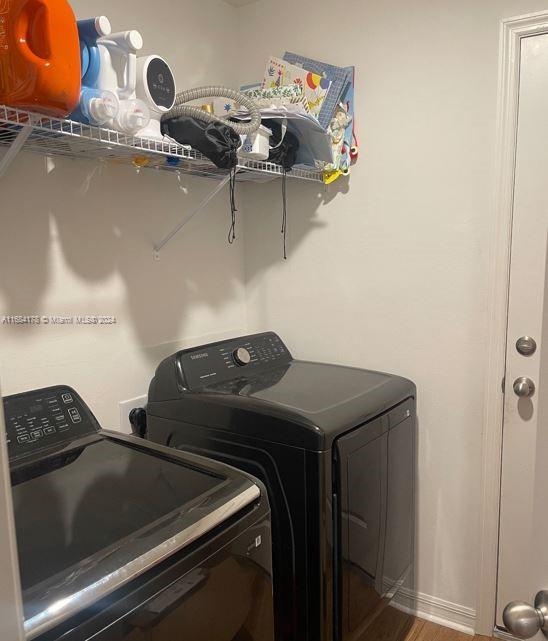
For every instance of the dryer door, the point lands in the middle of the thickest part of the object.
(362, 479)
(375, 466)
(400, 502)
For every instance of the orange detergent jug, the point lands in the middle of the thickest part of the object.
(39, 56)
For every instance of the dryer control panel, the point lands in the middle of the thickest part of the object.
(44, 418)
(230, 359)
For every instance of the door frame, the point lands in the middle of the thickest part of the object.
(512, 31)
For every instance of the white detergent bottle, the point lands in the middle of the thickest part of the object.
(156, 88)
(118, 74)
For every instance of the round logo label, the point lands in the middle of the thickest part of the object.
(161, 83)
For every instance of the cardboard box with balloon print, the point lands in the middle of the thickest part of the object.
(280, 73)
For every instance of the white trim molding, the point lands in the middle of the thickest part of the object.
(430, 608)
(511, 33)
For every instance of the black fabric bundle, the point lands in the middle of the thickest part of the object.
(283, 148)
(214, 140)
(283, 151)
(220, 143)
(217, 142)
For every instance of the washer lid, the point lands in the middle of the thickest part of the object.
(105, 509)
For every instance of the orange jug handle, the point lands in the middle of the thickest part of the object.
(23, 24)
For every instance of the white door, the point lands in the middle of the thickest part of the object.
(523, 551)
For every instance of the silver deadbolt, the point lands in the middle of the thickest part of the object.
(526, 345)
(524, 387)
(524, 620)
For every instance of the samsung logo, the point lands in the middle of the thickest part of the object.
(195, 357)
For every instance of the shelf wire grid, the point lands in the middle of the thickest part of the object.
(61, 137)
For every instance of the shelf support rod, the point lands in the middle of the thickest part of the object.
(14, 149)
(159, 246)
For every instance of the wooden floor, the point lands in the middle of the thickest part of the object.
(394, 624)
(426, 631)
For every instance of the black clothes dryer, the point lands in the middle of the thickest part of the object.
(335, 447)
(124, 540)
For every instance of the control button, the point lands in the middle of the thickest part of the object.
(67, 398)
(49, 430)
(74, 415)
(24, 438)
(37, 434)
(242, 356)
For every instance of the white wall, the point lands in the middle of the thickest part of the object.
(78, 240)
(389, 271)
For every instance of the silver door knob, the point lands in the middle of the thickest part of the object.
(524, 387)
(523, 620)
(526, 345)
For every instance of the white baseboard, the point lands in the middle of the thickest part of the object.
(431, 608)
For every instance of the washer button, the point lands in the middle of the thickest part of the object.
(74, 415)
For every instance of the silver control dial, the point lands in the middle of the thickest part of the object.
(241, 356)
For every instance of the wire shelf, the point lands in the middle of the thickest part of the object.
(57, 137)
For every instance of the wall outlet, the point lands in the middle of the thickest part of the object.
(125, 409)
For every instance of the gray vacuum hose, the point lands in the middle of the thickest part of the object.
(182, 109)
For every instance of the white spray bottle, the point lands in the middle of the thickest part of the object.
(118, 73)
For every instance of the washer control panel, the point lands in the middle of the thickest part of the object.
(46, 417)
(235, 358)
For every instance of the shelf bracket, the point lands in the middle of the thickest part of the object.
(159, 246)
(14, 148)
